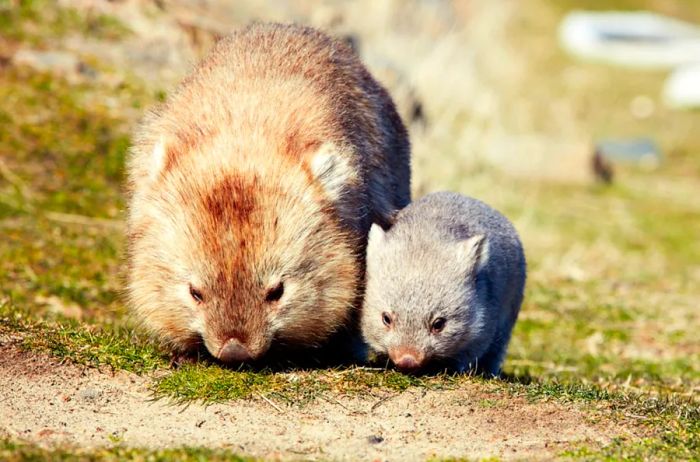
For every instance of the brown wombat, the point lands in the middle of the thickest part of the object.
(252, 190)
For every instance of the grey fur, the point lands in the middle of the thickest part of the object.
(448, 256)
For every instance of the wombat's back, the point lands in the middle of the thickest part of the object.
(283, 88)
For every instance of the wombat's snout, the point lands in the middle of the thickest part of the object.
(406, 359)
(234, 351)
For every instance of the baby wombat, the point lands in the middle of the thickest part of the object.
(252, 190)
(444, 285)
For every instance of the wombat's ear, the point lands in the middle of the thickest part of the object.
(376, 237)
(385, 221)
(331, 167)
(474, 252)
(157, 159)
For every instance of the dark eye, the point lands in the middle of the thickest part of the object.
(438, 325)
(196, 294)
(274, 293)
(386, 319)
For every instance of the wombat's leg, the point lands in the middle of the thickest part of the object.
(467, 363)
(185, 357)
(491, 361)
(360, 351)
(178, 359)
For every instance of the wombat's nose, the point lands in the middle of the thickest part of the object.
(234, 351)
(407, 362)
(406, 358)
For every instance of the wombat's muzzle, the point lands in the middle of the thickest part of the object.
(234, 351)
(406, 358)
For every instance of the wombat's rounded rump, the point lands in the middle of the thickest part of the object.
(251, 192)
(444, 285)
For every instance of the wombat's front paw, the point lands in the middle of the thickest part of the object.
(178, 359)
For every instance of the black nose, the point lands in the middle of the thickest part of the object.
(234, 351)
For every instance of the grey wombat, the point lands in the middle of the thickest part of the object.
(444, 284)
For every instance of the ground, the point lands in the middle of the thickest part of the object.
(90, 409)
(605, 359)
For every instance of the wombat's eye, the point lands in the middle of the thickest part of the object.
(386, 319)
(196, 294)
(438, 325)
(274, 293)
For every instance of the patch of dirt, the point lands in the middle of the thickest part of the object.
(48, 403)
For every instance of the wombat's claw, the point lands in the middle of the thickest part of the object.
(180, 359)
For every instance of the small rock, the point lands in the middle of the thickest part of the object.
(90, 394)
(374, 439)
(46, 432)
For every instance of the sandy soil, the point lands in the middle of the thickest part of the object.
(49, 403)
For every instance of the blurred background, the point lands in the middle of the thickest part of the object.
(570, 124)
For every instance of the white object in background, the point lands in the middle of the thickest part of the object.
(682, 88)
(635, 39)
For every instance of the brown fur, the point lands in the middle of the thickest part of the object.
(268, 163)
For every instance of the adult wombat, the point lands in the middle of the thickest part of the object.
(252, 190)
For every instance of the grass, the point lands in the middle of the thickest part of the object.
(675, 441)
(37, 22)
(211, 383)
(61, 170)
(610, 319)
(24, 452)
(669, 425)
(118, 348)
